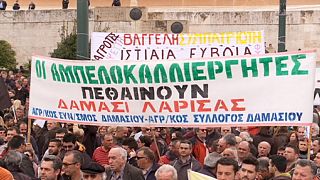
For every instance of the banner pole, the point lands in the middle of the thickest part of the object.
(29, 130)
(309, 144)
(14, 114)
(156, 144)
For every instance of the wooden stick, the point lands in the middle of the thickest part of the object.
(309, 144)
(14, 114)
(29, 130)
(156, 144)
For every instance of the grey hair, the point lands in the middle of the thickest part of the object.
(56, 161)
(13, 160)
(167, 168)
(305, 162)
(122, 152)
(230, 139)
(211, 159)
(246, 136)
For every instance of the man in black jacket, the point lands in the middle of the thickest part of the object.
(185, 161)
(116, 3)
(210, 162)
(17, 144)
(65, 4)
(3, 5)
(146, 162)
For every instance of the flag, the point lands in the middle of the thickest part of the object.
(198, 176)
(4, 96)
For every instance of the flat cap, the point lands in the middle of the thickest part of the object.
(92, 168)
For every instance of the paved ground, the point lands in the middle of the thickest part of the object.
(56, 4)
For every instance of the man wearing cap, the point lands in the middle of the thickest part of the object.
(210, 162)
(93, 171)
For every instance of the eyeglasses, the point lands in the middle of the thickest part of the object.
(140, 157)
(203, 130)
(92, 176)
(148, 129)
(69, 164)
(27, 154)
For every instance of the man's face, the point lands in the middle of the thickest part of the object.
(225, 172)
(202, 133)
(116, 161)
(263, 149)
(87, 176)
(315, 146)
(18, 85)
(243, 129)
(123, 132)
(19, 113)
(47, 172)
(23, 129)
(302, 173)
(228, 153)
(317, 159)
(175, 148)
(221, 146)
(60, 136)
(243, 149)
(303, 145)
(142, 160)
(107, 141)
(280, 152)
(271, 168)
(225, 130)
(185, 150)
(248, 172)
(146, 131)
(68, 146)
(10, 134)
(50, 125)
(3, 134)
(290, 155)
(69, 166)
(25, 82)
(301, 132)
(53, 148)
(11, 94)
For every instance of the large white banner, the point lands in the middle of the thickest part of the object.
(271, 89)
(156, 46)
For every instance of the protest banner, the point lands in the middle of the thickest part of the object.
(264, 90)
(192, 175)
(316, 96)
(157, 46)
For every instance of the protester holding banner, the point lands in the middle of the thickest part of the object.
(204, 117)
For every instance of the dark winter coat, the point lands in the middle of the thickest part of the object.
(182, 168)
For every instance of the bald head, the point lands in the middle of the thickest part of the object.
(243, 150)
(264, 149)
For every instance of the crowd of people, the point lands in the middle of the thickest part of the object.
(16, 5)
(57, 150)
(32, 6)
